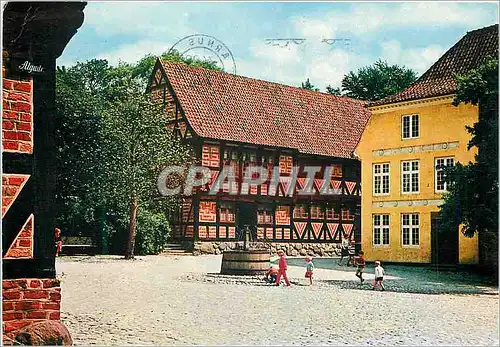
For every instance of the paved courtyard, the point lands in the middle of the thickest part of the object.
(158, 300)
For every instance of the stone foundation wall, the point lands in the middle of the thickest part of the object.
(26, 302)
(292, 249)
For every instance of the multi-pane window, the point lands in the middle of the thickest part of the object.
(226, 213)
(331, 214)
(316, 212)
(336, 170)
(346, 214)
(264, 216)
(381, 179)
(300, 211)
(230, 154)
(380, 229)
(410, 176)
(441, 164)
(410, 126)
(410, 229)
(267, 159)
(249, 157)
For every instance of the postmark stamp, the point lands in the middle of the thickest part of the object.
(207, 48)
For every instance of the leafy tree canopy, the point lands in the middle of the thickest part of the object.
(377, 81)
(112, 143)
(472, 200)
(308, 85)
(144, 67)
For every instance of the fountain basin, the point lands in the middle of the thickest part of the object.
(245, 262)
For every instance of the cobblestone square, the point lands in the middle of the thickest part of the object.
(156, 300)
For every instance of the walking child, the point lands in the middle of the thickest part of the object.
(344, 249)
(351, 252)
(379, 275)
(360, 261)
(309, 269)
(282, 269)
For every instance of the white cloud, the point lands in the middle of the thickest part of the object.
(368, 18)
(284, 54)
(149, 19)
(321, 63)
(418, 59)
(156, 25)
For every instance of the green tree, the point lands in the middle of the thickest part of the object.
(377, 81)
(308, 85)
(333, 91)
(137, 146)
(112, 142)
(142, 70)
(472, 200)
(79, 111)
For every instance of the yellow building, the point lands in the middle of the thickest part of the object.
(408, 139)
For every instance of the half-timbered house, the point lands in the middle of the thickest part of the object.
(240, 122)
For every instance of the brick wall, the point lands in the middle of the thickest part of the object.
(210, 156)
(17, 115)
(11, 187)
(282, 215)
(285, 164)
(208, 211)
(26, 301)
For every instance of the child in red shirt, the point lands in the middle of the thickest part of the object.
(282, 269)
(271, 274)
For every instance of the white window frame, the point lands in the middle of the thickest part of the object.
(411, 228)
(382, 174)
(381, 227)
(410, 173)
(411, 117)
(436, 171)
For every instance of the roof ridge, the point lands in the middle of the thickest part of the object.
(486, 28)
(258, 79)
(449, 51)
(430, 74)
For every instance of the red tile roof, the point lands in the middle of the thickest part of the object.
(466, 54)
(223, 106)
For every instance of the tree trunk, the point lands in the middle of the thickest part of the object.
(131, 235)
(103, 233)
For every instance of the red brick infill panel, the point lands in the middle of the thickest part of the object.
(17, 115)
(25, 301)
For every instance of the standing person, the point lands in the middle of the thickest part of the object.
(309, 269)
(58, 241)
(361, 265)
(379, 275)
(282, 269)
(351, 250)
(344, 249)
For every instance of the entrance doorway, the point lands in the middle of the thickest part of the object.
(444, 247)
(246, 215)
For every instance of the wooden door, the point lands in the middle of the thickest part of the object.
(444, 244)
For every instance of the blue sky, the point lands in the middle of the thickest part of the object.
(414, 34)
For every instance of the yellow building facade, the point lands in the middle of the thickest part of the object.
(410, 137)
(390, 232)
